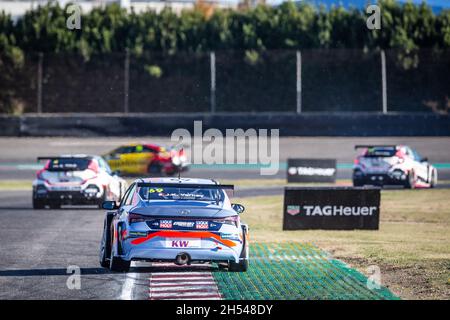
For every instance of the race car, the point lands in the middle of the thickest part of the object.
(76, 180)
(139, 159)
(176, 220)
(392, 165)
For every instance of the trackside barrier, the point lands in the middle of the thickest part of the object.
(289, 124)
(331, 208)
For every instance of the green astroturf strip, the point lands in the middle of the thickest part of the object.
(296, 271)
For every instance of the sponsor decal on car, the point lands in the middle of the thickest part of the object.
(167, 224)
(230, 236)
(183, 243)
(184, 224)
(169, 234)
(201, 224)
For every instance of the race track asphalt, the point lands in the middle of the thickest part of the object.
(41, 249)
(18, 155)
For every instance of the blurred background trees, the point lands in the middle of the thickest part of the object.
(155, 39)
(288, 26)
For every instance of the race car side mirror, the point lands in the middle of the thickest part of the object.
(424, 159)
(239, 208)
(116, 173)
(109, 205)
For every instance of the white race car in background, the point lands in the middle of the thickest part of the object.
(76, 180)
(392, 165)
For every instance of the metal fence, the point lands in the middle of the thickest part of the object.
(225, 81)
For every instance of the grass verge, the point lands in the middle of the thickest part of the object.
(14, 185)
(412, 247)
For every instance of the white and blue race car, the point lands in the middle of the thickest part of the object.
(393, 165)
(174, 219)
(75, 180)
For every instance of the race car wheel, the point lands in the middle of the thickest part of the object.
(411, 181)
(105, 246)
(38, 204)
(171, 173)
(154, 168)
(99, 202)
(357, 179)
(117, 264)
(242, 266)
(433, 179)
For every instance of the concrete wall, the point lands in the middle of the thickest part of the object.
(338, 124)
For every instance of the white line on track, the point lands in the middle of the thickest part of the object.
(128, 285)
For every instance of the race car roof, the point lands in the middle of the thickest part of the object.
(74, 156)
(150, 145)
(361, 146)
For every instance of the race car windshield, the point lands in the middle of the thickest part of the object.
(68, 164)
(380, 152)
(173, 193)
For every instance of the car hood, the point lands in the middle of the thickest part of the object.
(182, 209)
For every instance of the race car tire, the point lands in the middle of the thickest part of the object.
(242, 265)
(99, 202)
(171, 173)
(411, 180)
(154, 168)
(38, 204)
(433, 179)
(358, 183)
(105, 245)
(117, 264)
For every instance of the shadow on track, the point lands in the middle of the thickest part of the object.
(50, 272)
(98, 271)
